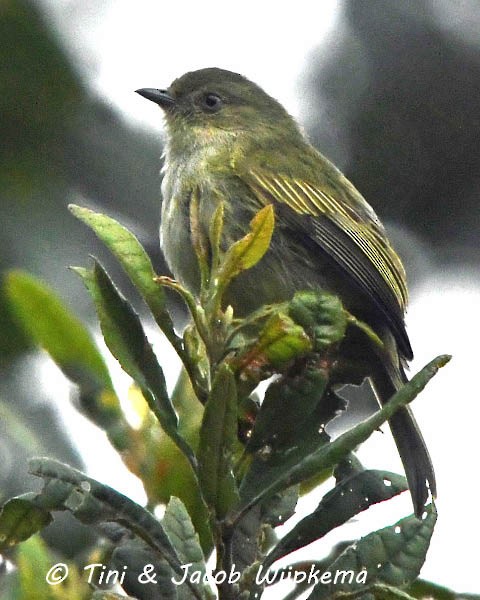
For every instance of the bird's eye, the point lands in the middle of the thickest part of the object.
(212, 102)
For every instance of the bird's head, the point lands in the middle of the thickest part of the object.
(210, 105)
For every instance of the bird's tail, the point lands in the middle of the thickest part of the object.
(409, 440)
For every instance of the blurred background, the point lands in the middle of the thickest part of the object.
(389, 90)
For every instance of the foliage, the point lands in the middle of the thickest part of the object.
(228, 468)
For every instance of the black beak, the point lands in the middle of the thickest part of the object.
(160, 97)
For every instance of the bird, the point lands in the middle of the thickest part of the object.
(229, 141)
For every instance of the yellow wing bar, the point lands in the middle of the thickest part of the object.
(363, 229)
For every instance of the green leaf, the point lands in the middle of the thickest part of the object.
(284, 447)
(392, 556)
(289, 427)
(134, 260)
(126, 340)
(280, 507)
(55, 328)
(259, 484)
(171, 474)
(253, 534)
(316, 565)
(280, 341)
(20, 519)
(377, 591)
(273, 512)
(51, 325)
(348, 498)
(321, 314)
(91, 502)
(199, 242)
(188, 408)
(34, 562)
(103, 595)
(215, 234)
(182, 535)
(14, 341)
(245, 253)
(218, 435)
(288, 404)
(166, 472)
(426, 589)
(139, 559)
(246, 539)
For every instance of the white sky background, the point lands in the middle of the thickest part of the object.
(123, 45)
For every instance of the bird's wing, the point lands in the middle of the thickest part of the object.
(350, 233)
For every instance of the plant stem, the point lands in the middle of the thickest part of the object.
(226, 590)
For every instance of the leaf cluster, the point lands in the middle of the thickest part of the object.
(228, 467)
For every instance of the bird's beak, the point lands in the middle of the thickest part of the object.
(160, 97)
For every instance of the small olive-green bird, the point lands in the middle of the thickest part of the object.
(227, 140)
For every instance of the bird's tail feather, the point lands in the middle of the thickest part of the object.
(409, 440)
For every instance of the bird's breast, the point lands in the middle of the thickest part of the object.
(183, 179)
(288, 265)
